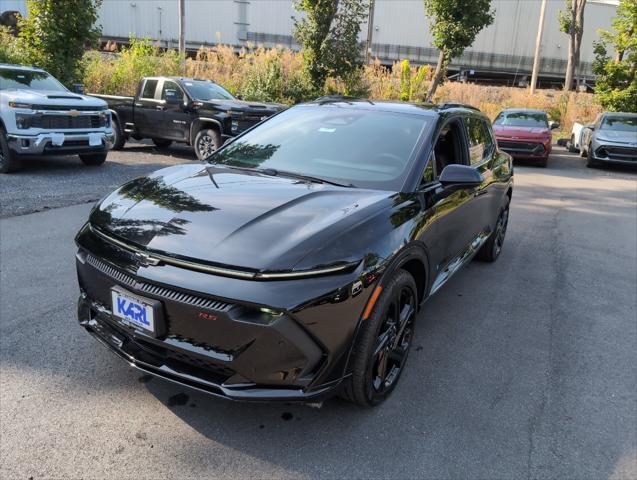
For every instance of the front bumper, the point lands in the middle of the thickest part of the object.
(618, 154)
(524, 148)
(59, 143)
(212, 338)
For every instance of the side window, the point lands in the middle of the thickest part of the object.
(480, 141)
(173, 89)
(149, 89)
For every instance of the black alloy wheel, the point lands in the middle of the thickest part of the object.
(9, 161)
(381, 352)
(206, 142)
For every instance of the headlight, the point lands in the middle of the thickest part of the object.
(23, 120)
(20, 105)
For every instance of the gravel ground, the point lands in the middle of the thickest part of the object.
(55, 182)
(522, 369)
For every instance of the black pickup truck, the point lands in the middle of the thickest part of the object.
(171, 109)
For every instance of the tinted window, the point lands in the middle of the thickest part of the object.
(620, 124)
(365, 148)
(522, 119)
(149, 89)
(205, 90)
(171, 87)
(480, 142)
(24, 79)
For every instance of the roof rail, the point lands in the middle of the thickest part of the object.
(335, 98)
(457, 105)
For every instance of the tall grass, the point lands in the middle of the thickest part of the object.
(277, 75)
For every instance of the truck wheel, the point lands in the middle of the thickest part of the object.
(206, 142)
(9, 161)
(162, 143)
(119, 136)
(93, 159)
(571, 145)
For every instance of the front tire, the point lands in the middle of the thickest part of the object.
(93, 159)
(543, 162)
(590, 161)
(492, 248)
(206, 142)
(380, 353)
(9, 161)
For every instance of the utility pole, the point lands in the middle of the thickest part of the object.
(538, 44)
(182, 28)
(370, 32)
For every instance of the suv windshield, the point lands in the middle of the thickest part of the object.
(522, 119)
(357, 147)
(30, 80)
(620, 124)
(204, 90)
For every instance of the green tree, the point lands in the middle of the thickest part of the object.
(56, 34)
(329, 33)
(616, 86)
(454, 26)
(572, 23)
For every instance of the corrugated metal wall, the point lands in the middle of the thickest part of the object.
(400, 29)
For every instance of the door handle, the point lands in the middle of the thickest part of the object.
(483, 191)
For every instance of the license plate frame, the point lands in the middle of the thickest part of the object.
(135, 311)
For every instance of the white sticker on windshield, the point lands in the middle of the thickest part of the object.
(189, 84)
(327, 130)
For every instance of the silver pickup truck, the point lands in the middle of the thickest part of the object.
(39, 116)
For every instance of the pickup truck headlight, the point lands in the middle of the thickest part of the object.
(20, 105)
(23, 120)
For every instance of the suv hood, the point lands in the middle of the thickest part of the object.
(616, 136)
(235, 218)
(52, 97)
(526, 132)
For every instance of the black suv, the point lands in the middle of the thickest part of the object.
(200, 113)
(293, 263)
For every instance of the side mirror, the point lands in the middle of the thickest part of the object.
(460, 176)
(78, 88)
(554, 125)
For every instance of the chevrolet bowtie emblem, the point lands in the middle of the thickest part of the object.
(144, 260)
(74, 113)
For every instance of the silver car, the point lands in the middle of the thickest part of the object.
(611, 139)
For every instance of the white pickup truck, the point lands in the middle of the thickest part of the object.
(39, 116)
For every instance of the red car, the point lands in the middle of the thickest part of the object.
(524, 133)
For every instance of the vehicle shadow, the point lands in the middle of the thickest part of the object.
(177, 150)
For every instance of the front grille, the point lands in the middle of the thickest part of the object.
(521, 146)
(617, 153)
(248, 121)
(67, 108)
(56, 122)
(155, 290)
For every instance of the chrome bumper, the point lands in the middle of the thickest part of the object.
(60, 143)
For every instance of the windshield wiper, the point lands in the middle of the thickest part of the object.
(284, 173)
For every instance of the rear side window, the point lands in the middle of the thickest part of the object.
(149, 89)
(480, 141)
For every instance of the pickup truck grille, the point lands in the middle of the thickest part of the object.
(56, 122)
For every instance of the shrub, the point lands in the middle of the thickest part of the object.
(11, 48)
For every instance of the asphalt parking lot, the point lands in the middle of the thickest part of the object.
(526, 368)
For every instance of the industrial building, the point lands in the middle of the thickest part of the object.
(502, 52)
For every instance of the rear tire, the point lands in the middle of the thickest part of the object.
(380, 353)
(571, 145)
(162, 142)
(492, 248)
(206, 143)
(93, 159)
(119, 136)
(9, 161)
